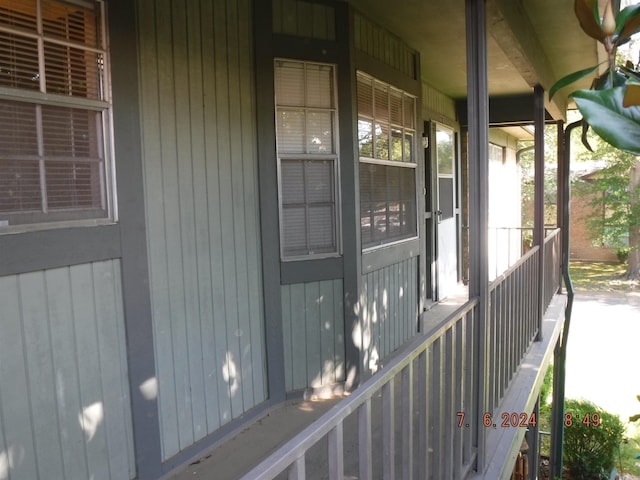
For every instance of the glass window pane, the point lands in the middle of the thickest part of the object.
(365, 96)
(289, 83)
(291, 131)
(20, 186)
(319, 86)
(292, 182)
(319, 181)
(381, 102)
(320, 133)
(19, 62)
(294, 230)
(382, 142)
(396, 145)
(396, 107)
(321, 229)
(388, 212)
(445, 151)
(365, 138)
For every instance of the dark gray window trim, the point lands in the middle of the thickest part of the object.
(302, 271)
(389, 255)
(57, 247)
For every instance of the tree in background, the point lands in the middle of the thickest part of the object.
(614, 191)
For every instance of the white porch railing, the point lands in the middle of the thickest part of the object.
(434, 382)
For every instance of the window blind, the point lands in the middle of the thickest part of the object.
(307, 158)
(386, 138)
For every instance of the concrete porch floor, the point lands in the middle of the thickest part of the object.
(233, 458)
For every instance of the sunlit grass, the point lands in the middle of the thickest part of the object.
(600, 277)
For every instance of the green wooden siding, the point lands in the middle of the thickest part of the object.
(64, 396)
(304, 19)
(437, 103)
(202, 215)
(313, 334)
(390, 312)
(383, 46)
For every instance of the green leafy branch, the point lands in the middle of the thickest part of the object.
(612, 105)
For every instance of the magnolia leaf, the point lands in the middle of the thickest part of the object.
(638, 397)
(588, 19)
(603, 110)
(569, 79)
(634, 418)
(631, 95)
(627, 23)
(584, 137)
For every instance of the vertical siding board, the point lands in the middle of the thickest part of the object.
(312, 303)
(371, 327)
(237, 175)
(16, 426)
(320, 21)
(64, 362)
(331, 23)
(153, 57)
(251, 202)
(41, 376)
(206, 332)
(155, 223)
(211, 93)
(327, 332)
(125, 404)
(170, 94)
(109, 315)
(195, 423)
(289, 17)
(298, 336)
(224, 107)
(91, 393)
(277, 16)
(392, 289)
(305, 19)
(285, 295)
(339, 333)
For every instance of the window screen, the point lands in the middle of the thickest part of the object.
(53, 155)
(386, 144)
(307, 159)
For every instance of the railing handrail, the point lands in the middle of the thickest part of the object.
(288, 453)
(504, 275)
(552, 235)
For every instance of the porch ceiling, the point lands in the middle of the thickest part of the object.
(530, 42)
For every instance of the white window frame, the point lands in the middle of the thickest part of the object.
(334, 157)
(389, 162)
(101, 105)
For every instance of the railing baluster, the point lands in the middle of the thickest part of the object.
(437, 410)
(388, 431)
(424, 409)
(407, 422)
(297, 469)
(448, 413)
(364, 441)
(336, 453)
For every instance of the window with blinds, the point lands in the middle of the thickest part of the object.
(386, 144)
(54, 112)
(307, 159)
